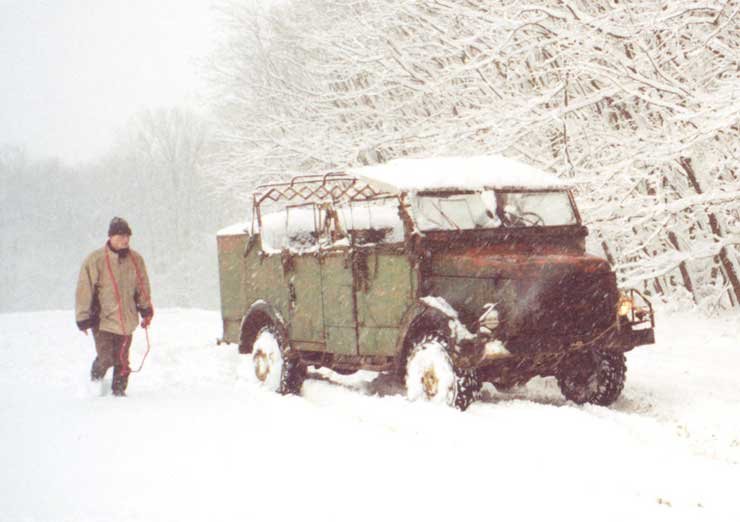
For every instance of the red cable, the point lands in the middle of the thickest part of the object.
(148, 347)
(151, 307)
(125, 369)
(140, 283)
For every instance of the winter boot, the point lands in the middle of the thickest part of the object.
(97, 372)
(120, 382)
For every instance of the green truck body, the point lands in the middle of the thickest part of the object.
(356, 271)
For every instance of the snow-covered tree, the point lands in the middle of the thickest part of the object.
(154, 173)
(635, 101)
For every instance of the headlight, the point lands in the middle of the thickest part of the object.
(624, 306)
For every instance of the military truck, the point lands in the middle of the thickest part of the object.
(445, 272)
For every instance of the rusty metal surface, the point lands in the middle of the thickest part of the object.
(333, 187)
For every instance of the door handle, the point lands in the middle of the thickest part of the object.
(291, 291)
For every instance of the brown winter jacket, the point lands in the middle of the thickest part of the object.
(96, 302)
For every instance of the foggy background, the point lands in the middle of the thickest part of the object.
(73, 71)
(100, 116)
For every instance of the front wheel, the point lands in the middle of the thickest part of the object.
(275, 371)
(595, 377)
(431, 375)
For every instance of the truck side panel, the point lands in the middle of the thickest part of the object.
(337, 290)
(264, 280)
(306, 325)
(231, 274)
(382, 304)
(244, 280)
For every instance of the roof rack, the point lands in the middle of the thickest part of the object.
(334, 186)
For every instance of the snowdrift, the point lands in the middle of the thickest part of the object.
(196, 440)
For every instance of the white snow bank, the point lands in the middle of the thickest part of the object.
(467, 173)
(196, 439)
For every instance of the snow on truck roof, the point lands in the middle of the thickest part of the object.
(456, 173)
(406, 175)
(234, 230)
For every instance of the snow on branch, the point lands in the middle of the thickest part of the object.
(614, 96)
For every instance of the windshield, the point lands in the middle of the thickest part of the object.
(456, 212)
(488, 210)
(535, 209)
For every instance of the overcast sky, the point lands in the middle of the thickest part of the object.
(72, 71)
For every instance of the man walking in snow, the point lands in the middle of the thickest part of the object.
(112, 290)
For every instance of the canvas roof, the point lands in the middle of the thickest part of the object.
(451, 173)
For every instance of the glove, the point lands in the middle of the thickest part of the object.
(147, 317)
(85, 325)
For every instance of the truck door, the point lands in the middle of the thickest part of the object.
(303, 277)
(337, 281)
(382, 276)
(383, 297)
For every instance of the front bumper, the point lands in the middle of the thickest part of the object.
(622, 339)
(625, 333)
(637, 327)
(626, 339)
(541, 355)
(620, 336)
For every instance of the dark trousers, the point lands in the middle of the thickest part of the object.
(112, 350)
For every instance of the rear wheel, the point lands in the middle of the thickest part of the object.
(273, 369)
(595, 377)
(431, 376)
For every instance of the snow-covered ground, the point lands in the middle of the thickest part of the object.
(195, 439)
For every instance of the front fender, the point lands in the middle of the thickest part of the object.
(259, 314)
(419, 319)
